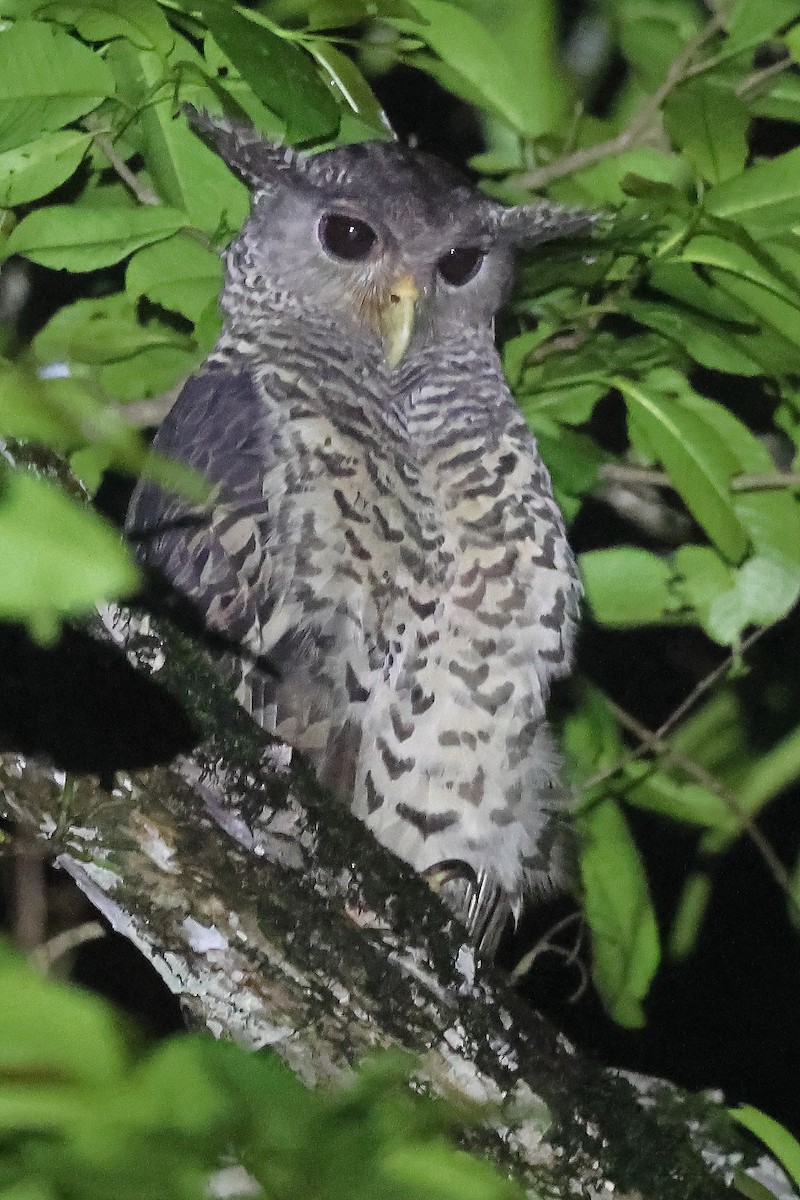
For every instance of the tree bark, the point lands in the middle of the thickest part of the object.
(278, 920)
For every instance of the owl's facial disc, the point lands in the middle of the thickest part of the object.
(395, 312)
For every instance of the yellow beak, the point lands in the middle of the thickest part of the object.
(396, 317)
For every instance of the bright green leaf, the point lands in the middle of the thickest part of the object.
(619, 912)
(484, 70)
(764, 591)
(711, 343)
(141, 23)
(178, 274)
(56, 560)
(763, 198)
(777, 1139)
(102, 331)
(185, 172)
(699, 466)
(150, 373)
(626, 587)
(709, 124)
(76, 239)
(702, 576)
(655, 791)
(49, 1030)
(752, 22)
(47, 79)
(39, 167)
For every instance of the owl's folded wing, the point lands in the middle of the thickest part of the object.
(215, 554)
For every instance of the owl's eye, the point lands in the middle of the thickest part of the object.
(460, 264)
(346, 237)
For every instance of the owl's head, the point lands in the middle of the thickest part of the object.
(382, 238)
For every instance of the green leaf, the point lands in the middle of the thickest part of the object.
(56, 560)
(573, 459)
(75, 239)
(591, 737)
(691, 910)
(764, 591)
(626, 587)
(773, 771)
(775, 353)
(752, 22)
(101, 331)
(655, 791)
(178, 273)
(345, 76)
(184, 171)
(699, 466)
(717, 344)
(484, 70)
(709, 123)
(66, 413)
(152, 372)
(619, 912)
(280, 73)
(763, 198)
(142, 23)
(36, 168)
(50, 1031)
(702, 576)
(778, 1140)
(47, 79)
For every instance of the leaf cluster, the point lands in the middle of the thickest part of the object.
(86, 1112)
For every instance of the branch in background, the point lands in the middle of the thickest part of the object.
(654, 743)
(277, 919)
(143, 193)
(697, 692)
(768, 482)
(636, 130)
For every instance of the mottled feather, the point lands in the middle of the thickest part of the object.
(382, 543)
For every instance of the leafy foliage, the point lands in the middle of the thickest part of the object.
(84, 1112)
(691, 291)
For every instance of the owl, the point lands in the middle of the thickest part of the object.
(381, 549)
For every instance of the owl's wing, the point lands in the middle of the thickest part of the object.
(214, 554)
(237, 559)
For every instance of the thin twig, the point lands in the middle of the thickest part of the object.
(708, 681)
(141, 191)
(546, 945)
(700, 689)
(753, 81)
(63, 943)
(767, 482)
(623, 474)
(589, 155)
(654, 743)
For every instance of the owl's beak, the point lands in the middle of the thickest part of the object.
(396, 317)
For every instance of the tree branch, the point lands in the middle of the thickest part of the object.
(540, 177)
(278, 920)
(143, 193)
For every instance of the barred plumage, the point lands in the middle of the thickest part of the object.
(382, 542)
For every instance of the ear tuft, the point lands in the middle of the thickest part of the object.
(530, 224)
(258, 161)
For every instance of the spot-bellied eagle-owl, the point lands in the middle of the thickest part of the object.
(382, 541)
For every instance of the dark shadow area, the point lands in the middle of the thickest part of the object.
(83, 706)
